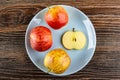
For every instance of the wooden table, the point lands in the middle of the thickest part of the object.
(15, 16)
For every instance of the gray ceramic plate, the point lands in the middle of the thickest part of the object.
(79, 58)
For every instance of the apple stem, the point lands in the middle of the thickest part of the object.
(48, 70)
(73, 29)
(48, 7)
(74, 39)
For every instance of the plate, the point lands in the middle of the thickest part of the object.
(79, 58)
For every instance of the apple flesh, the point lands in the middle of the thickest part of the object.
(56, 17)
(40, 38)
(57, 61)
(74, 40)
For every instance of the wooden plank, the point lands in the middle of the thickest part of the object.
(22, 14)
(14, 18)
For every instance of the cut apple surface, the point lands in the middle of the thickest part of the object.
(73, 40)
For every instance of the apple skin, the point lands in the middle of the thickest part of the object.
(56, 17)
(57, 61)
(40, 38)
(74, 40)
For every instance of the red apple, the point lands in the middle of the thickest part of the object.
(56, 17)
(40, 38)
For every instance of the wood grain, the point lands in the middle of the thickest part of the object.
(15, 15)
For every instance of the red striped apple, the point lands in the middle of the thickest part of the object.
(40, 38)
(56, 17)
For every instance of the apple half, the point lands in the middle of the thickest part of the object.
(74, 39)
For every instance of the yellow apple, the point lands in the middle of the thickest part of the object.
(57, 61)
(73, 39)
